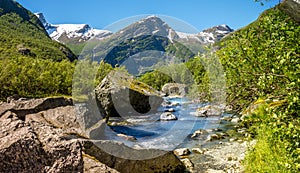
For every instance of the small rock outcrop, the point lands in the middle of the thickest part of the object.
(174, 89)
(119, 95)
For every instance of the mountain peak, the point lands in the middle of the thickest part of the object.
(152, 17)
(150, 25)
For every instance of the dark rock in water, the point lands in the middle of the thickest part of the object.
(167, 116)
(120, 95)
(173, 89)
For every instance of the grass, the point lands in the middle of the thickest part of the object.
(267, 156)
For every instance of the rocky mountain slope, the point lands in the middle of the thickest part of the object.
(150, 41)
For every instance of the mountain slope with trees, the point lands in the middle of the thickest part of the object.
(32, 65)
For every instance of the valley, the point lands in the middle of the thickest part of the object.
(149, 98)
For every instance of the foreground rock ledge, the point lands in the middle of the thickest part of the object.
(39, 137)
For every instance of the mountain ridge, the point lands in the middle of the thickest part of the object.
(155, 25)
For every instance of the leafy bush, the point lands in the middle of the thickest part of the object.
(30, 77)
(262, 62)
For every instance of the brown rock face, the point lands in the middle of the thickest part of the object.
(120, 95)
(44, 135)
(22, 149)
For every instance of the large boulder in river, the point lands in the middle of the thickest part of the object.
(120, 95)
(174, 89)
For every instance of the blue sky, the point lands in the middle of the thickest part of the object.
(99, 14)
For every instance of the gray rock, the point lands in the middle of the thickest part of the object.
(208, 110)
(214, 137)
(119, 95)
(167, 116)
(128, 160)
(198, 133)
(175, 89)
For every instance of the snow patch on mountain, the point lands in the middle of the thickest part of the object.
(210, 35)
(80, 32)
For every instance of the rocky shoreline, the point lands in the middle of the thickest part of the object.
(226, 157)
(46, 135)
(219, 150)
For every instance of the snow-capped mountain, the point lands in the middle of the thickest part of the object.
(72, 32)
(151, 25)
(207, 36)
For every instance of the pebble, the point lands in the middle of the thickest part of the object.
(198, 150)
(182, 151)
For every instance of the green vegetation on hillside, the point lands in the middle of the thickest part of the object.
(132, 46)
(32, 65)
(262, 63)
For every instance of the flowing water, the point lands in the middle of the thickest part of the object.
(166, 135)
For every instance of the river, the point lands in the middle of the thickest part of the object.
(150, 132)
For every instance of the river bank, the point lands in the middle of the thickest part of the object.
(225, 157)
